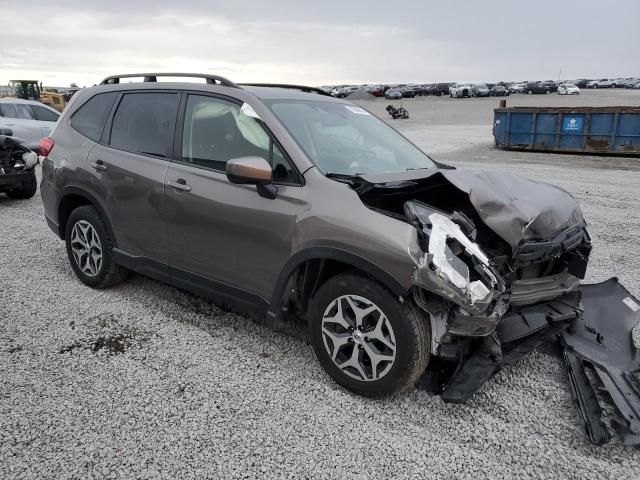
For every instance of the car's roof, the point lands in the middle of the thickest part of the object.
(262, 92)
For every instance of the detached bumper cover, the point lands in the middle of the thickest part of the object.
(601, 342)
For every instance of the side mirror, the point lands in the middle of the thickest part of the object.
(249, 171)
(252, 171)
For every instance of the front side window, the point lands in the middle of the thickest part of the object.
(90, 118)
(346, 139)
(144, 123)
(16, 110)
(44, 114)
(215, 131)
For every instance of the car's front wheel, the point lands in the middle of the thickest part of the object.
(365, 338)
(90, 249)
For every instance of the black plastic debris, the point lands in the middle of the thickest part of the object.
(601, 341)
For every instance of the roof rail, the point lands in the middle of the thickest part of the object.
(153, 77)
(302, 88)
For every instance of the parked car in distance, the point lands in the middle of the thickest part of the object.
(499, 91)
(568, 89)
(580, 82)
(619, 82)
(540, 87)
(631, 82)
(294, 206)
(393, 94)
(602, 83)
(439, 89)
(408, 91)
(517, 87)
(480, 90)
(377, 90)
(346, 91)
(460, 90)
(27, 119)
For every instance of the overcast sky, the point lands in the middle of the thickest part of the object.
(320, 42)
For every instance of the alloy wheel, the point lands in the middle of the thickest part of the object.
(358, 338)
(86, 248)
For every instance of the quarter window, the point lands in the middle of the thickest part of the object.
(44, 114)
(90, 118)
(216, 131)
(144, 123)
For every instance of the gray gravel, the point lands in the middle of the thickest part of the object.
(144, 381)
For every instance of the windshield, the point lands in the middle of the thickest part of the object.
(570, 85)
(346, 139)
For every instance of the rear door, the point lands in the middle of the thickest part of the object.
(225, 237)
(129, 166)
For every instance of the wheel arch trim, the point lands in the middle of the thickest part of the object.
(331, 253)
(81, 192)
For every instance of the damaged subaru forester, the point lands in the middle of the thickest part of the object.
(286, 203)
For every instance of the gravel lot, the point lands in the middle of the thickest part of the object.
(144, 381)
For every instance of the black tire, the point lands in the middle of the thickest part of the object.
(27, 190)
(110, 273)
(530, 92)
(411, 330)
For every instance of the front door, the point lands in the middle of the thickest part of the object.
(225, 236)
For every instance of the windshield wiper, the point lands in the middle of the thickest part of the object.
(342, 176)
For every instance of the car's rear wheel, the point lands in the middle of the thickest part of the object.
(27, 190)
(90, 249)
(365, 338)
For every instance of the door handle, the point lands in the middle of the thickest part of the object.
(99, 165)
(180, 184)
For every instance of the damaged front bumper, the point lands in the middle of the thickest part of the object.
(594, 326)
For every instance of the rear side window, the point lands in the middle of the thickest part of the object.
(90, 118)
(144, 123)
(16, 110)
(44, 114)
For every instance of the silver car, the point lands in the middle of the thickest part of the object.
(28, 120)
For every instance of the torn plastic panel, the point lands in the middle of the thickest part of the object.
(449, 263)
(601, 343)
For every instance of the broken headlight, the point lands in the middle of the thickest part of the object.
(450, 261)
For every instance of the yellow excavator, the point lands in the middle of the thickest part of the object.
(32, 90)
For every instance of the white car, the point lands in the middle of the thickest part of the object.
(28, 120)
(460, 90)
(568, 89)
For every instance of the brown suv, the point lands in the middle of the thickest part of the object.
(287, 203)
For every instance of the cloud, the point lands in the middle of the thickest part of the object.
(332, 42)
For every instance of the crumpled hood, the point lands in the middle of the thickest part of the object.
(515, 208)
